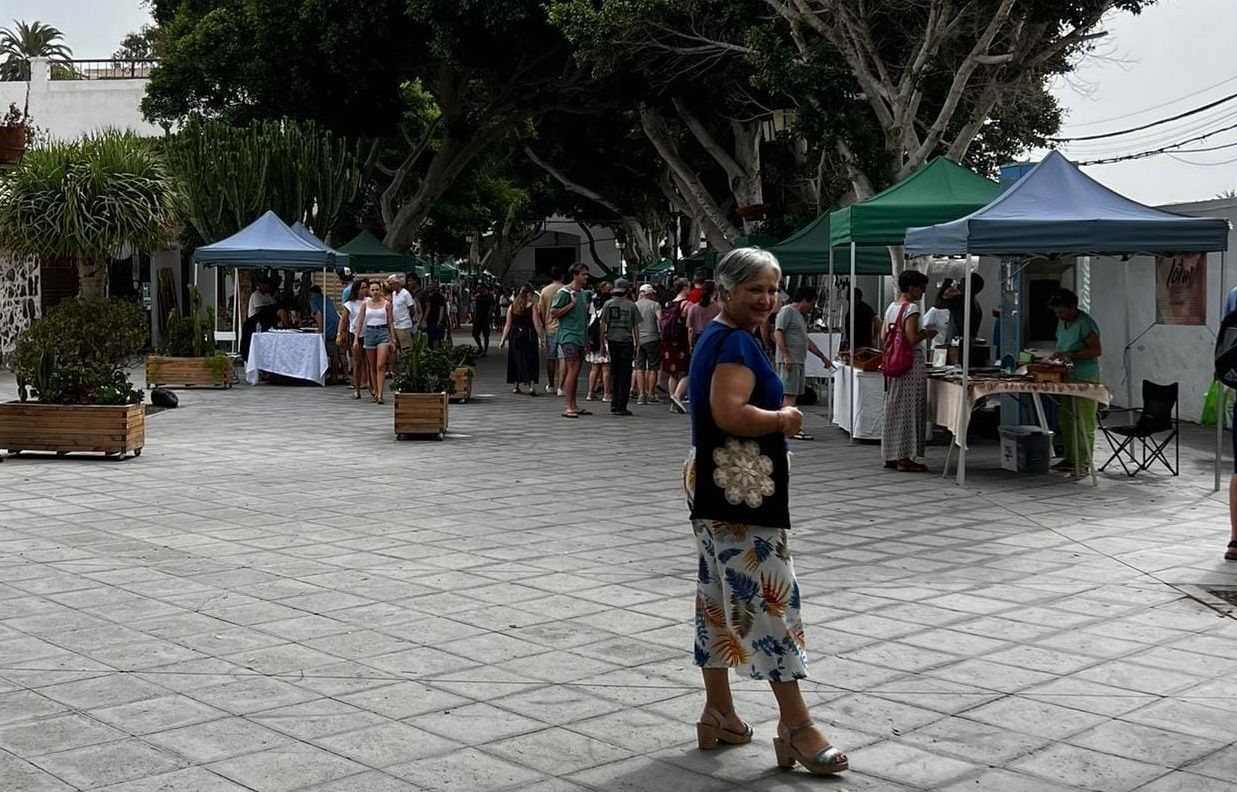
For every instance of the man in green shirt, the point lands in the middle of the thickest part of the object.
(1078, 342)
(570, 308)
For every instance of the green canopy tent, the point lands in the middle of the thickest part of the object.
(658, 269)
(806, 252)
(368, 254)
(938, 192)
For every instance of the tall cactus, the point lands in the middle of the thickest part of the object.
(230, 175)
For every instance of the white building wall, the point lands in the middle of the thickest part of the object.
(564, 232)
(1123, 304)
(65, 109)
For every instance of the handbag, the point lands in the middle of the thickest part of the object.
(898, 356)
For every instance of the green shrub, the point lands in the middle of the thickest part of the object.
(76, 354)
(425, 370)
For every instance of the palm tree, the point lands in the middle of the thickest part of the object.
(22, 42)
(88, 200)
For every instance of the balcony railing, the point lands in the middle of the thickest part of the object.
(106, 69)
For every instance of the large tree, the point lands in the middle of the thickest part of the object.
(429, 85)
(876, 88)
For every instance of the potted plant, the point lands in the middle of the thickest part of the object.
(75, 394)
(421, 389)
(463, 369)
(189, 355)
(15, 133)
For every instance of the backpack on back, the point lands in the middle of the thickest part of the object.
(673, 327)
(898, 355)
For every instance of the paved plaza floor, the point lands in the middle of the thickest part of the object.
(278, 595)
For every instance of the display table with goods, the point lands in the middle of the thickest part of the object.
(953, 402)
(289, 353)
(865, 389)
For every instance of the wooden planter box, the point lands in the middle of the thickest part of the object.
(420, 414)
(67, 428)
(462, 377)
(186, 371)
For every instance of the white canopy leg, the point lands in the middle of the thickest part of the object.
(854, 381)
(965, 422)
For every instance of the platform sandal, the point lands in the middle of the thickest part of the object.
(827, 761)
(708, 735)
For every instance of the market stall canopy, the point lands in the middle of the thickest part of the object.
(938, 192)
(806, 252)
(368, 254)
(300, 229)
(657, 269)
(1057, 209)
(266, 242)
(444, 272)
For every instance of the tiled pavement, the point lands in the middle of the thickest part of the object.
(279, 596)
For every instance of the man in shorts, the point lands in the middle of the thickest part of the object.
(620, 335)
(648, 353)
(570, 308)
(550, 325)
(793, 344)
(406, 315)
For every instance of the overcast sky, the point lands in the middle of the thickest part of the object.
(1175, 56)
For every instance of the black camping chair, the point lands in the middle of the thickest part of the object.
(1158, 416)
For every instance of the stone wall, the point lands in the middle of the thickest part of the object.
(19, 298)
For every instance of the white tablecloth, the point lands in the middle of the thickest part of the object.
(813, 367)
(869, 392)
(300, 355)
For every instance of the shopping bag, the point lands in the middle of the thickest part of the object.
(1211, 405)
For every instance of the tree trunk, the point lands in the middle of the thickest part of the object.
(91, 280)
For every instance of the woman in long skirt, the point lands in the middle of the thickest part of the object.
(524, 330)
(906, 398)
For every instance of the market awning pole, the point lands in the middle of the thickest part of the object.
(854, 372)
(1223, 393)
(830, 288)
(965, 423)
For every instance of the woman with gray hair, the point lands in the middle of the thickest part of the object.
(736, 478)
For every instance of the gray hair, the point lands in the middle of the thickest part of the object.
(742, 264)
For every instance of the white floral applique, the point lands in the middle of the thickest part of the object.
(743, 473)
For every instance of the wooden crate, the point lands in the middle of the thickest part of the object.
(68, 428)
(462, 378)
(420, 414)
(186, 371)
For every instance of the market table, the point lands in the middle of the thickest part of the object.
(953, 412)
(869, 392)
(290, 353)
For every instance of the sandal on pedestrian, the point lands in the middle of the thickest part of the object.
(533, 392)
(1231, 553)
(356, 395)
(891, 464)
(571, 414)
(912, 467)
(584, 412)
(802, 436)
(827, 761)
(516, 389)
(709, 735)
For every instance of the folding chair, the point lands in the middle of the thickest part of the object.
(1159, 416)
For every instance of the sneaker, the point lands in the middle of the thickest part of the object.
(608, 399)
(588, 397)
(642, 400)
(560, 392)
(676, 405)
(549, 388)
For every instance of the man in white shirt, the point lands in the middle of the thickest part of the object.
(261, 298)
(405, 310)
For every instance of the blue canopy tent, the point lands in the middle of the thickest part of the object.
(265, 243)
(1056, 210)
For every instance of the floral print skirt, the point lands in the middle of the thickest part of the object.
(747, 598)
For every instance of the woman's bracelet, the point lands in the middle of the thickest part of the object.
(781, 422)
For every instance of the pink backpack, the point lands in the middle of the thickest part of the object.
(898, 355)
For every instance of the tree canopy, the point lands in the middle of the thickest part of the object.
(719, 116)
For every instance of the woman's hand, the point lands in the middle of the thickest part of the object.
(790, 420)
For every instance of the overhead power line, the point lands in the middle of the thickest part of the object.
(1151, 124)
(1161, 150)
(1159, 106)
